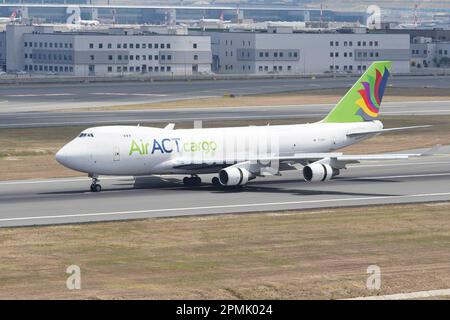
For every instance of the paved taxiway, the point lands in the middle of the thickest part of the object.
(45, 97)
(68, 200)
(47, 119)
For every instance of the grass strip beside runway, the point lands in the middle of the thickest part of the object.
(298, 254)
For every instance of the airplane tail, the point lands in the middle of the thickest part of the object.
(362, 102)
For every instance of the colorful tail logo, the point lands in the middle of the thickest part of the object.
(371, 95)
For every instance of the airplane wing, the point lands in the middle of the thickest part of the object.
(287, 162)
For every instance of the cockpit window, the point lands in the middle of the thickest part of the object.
(82, 135)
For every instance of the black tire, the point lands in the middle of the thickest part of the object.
(197, 181)
(216, 182)
(97, 188)
(187, 181)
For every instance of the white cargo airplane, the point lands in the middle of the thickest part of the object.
(239, 154)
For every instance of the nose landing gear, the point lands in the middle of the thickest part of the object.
(95, 187)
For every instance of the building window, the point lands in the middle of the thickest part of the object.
(109, 45)
(345, 43)
(91, 46)
(371, 43)
(150, 57)
(359, 43)
(337, 43)
(289, 68)
(350, 54)
(275, 54)
(125, 46)
(168, 47)
(92, 57)
(109, 68)
(331, 43)
(150, 46)
(162, 45)
(100, 45)
(138, 46)
(266, 68)
(331, 54)
(144, 46)
(163, 57)
(119, 46)
(156, 57)
(376, 43)
(156, 46)
(194, 45)
(110, 57)
(131, 69)
(119, 69)
(260, 68)
(131, 47)
(195, 57)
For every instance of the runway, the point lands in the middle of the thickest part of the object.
(92, 118)
(37, 202)
(50, 97)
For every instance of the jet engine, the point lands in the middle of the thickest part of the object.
(234, 176)
(319, 172)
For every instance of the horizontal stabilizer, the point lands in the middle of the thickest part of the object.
(362, 132)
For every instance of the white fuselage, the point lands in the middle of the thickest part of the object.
(134, 150)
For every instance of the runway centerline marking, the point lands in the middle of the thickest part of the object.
(410, 295)
(40, 95)
(80, 215)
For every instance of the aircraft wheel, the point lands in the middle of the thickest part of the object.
(215, 181)
(197, 181)
(96, 188)
(192, 181)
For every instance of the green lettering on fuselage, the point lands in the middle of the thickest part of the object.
(135, 148)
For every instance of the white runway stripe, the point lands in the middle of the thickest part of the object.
(235, 206)
(40, 95)
(411, 295)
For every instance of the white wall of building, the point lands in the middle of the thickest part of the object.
(306, 53)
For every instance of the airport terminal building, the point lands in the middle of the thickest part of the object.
(282, 51)
(159, 51)
(110, 52)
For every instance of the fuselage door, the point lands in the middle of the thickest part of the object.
(116, 154)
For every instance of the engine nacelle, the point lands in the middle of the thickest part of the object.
(234, 176)
(319, 172)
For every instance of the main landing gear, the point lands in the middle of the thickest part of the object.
(192, 181)
(95, 187)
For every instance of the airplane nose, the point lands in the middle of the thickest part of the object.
(62, 155)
